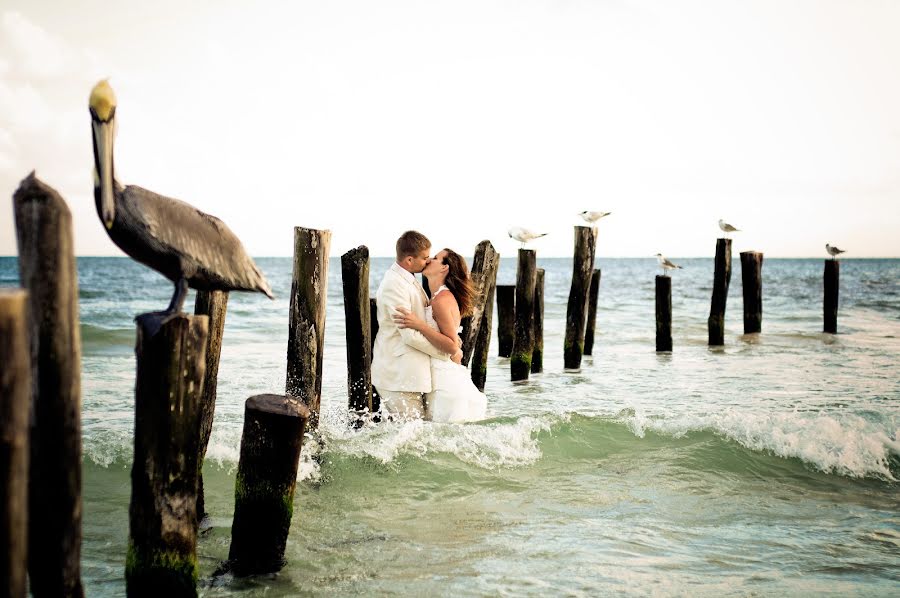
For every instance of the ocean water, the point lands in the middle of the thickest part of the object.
(767, 467)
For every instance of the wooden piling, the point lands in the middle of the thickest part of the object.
(576, 310)
(306, 334)
(663, 313)
(484, 278)
(358, 318)
(505, 296)
(751, 278)
(832, 288)
(214, 305)
(590, 328)
(15, 404)
(162, 543)
(373, 322)
(523, 340)
(47, 270)
(478, 363)
(537, 354)
(721, 281)
(266, 478)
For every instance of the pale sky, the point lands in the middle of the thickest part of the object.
(462, 118)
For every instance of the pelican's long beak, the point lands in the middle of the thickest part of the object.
(103, 113)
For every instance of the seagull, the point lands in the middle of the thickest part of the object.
(833, 251)
(523, 235)
(187, 246)
(666, 265)
(592, 217)
(727, 228)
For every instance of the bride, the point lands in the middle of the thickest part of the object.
(454, 398)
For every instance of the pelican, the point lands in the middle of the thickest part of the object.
(592, 217)
(727, 228)
(666, 265)
(523, 235)
(833, 251)
(187, 246)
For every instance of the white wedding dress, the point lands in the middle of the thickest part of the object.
(454, 398)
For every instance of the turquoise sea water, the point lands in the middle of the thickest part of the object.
(768, 467)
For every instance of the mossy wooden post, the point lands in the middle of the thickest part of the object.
(523, 340)
(15, 405)
(751, 278)
(832, 291)
(214, 305)
(306, 334)
(506, 318)
(537, 354)
(373, 322)
(483, 275)
(358, 318)
(478, 363)
(576, 309)
(663, 313)
(264, 487)
(591, 327)
(721, 282)
(162, 542)
(47, 270)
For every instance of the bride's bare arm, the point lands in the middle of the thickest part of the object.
(406, 319)
(445, 310)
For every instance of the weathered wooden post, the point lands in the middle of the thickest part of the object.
(15, 404)
(47, 270)
(523, 341)
(373, 321)
(162, 542)
(721, 282)
(832, 291)
(478, 365)
(537, 355)
(358, 318)
(264, 488)
(751, 278)
(306, 335)
(214, 305)
(663, 313)
(506, 318)
(484, 276)
(591, 327)
(576, 310)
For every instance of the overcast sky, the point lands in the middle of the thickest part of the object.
(463, 118)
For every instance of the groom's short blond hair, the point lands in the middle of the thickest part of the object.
(412, 243)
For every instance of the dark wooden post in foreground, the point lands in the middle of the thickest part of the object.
(832, 292)
(358, 318)
(523, 340)
(506, 318)
(663, 313)
(264, 488)
(592, 313)
(537, 355)
(214, 305)
(162, 542)
(306, 333)
(576, 310)
(15, 404)
(478, 364)
(721, 281)
(751, 278)
(373, 322)
(47, 270)
(484, 278)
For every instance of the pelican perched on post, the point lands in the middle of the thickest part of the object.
(187, 246)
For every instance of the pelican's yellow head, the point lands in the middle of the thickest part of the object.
(103, 101)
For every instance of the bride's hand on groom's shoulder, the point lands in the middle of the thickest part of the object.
(406, 319)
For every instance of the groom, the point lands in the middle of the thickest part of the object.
(401, 359)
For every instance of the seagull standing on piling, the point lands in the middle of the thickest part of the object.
(592, 217)
(727, 228)
(187, 246)
(523, 235)
(833, 251)
(666, 265)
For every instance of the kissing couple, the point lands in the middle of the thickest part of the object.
(416, 359)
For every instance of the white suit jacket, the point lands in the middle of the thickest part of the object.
(401, 359)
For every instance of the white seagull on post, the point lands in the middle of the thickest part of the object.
(523, 235)
(833, 251)
(592, 217)
(666, 265)
(727, 228)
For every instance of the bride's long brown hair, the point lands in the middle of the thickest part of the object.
(459, 282)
